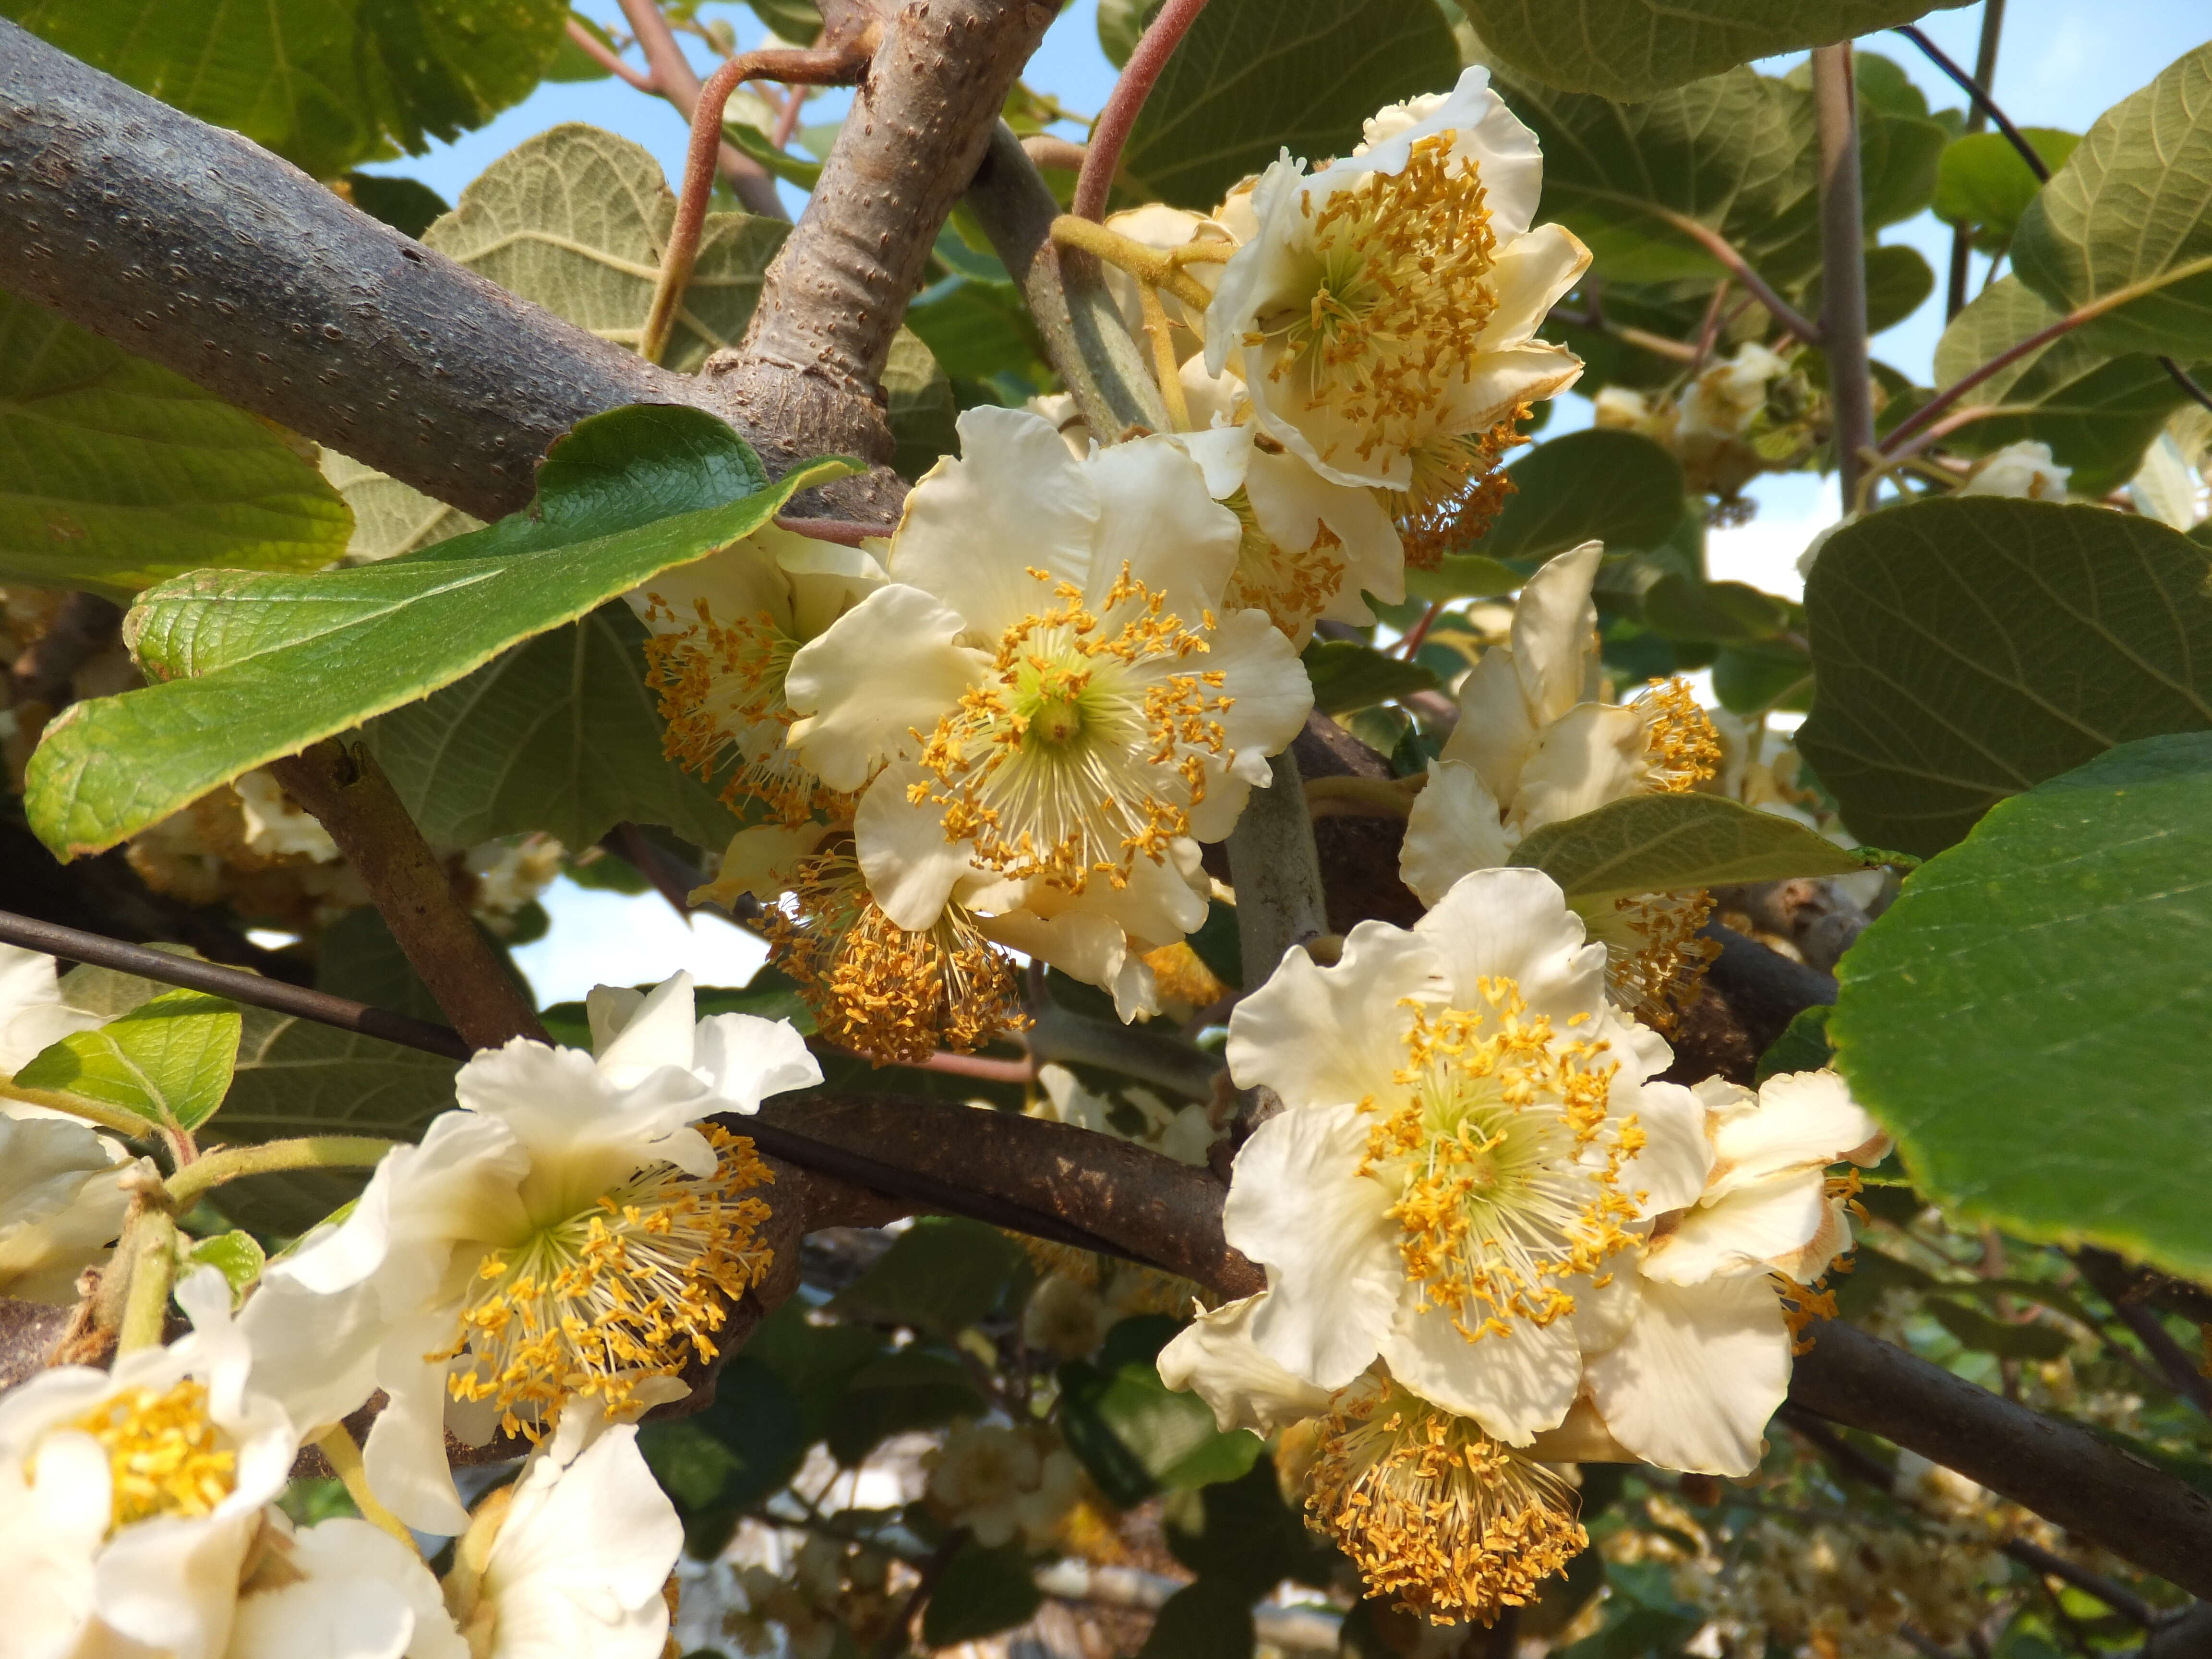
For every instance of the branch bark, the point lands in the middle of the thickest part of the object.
(1843, 265)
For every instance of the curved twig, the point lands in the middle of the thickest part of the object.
(1103, 157)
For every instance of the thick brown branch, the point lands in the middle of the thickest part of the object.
(349, 792)
(813, 358)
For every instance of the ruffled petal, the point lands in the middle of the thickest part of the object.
(1532, 274)
(1804, 1120)
(746, 1059)
(885, 670)
(1157, 519)
(1492, 734)
(762, 860)
(911, 867)
(1215, 1358)
(1670, 1172)
(1592, 755)
(1452, 828)
(1296, 1205)
(1555, 632)
(1515, 1386)
(1692, 1384)
(632, 1041)
(1514, 923)
(1331, 1036)
(1753, 1228)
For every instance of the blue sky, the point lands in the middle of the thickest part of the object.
(2063, 64)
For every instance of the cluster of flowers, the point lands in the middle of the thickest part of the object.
(546, 1265)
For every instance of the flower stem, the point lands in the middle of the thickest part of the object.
(149, 1253)
(1165, 370)
(1103, 156)
(309, 1152)
(336, 1445)
(1147, 264)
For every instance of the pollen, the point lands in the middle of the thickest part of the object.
(1450, 1524)
(1087, 745)
(1292, 588)
(1400, 302)
(1656, 963)
(1455, 494)
(165, 1455)
(893, 993)
(632, 1286)
(1506, 1163)
(1681, 749)
(721, 688)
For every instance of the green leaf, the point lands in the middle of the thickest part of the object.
(1121, 24)
(1211, 1619)
(690, 1464)
(1671, 843)
(1255, 76)
(980, 1593)
(1984, 184)
(1633, 48)
(1977, 1330)
(575, 220)
(408, 205)
(1900, 148)
(168, 1060)
(560, 733)
(978, 329)
(257, 667)
(121, 474)
(2132, 207)
(799, 21)
(325, 83)
(1135, 1436)
(1617, 488)
(238, 1256)
(2097, 411)
(941, 1275)
(1802, 1045)
(1969, 648)
(1241, 1532)
(922, 406)
(759, 1425)
(1348, 675)
(388, 518)
(1761, 677)
(1727, 613)
(1898, 284)
(2025, 1019)
(793, 169)
(909, 1388)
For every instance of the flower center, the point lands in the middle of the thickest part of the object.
(164, 1454)
(1084, 749)
(1455, 492)
(1454, 1525)
(1505, 1162)
(882, 990)
(721, 688)
(630, 1288)
(1398, 301)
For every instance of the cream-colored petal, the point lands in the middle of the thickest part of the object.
(1452, 828)
(364, 1595)
(886, 669)
(655, 1032)
(1215, 1358)
(1014, 499)
(1329, 1037)
(1296, 1205)
(1223, 453)
(1581, 1437)
(901, 845)
(1273, 692)
(1514, 923)
(1086, 945)
(1555, 632)
(745, 1059)
(1594, 754)
(743, 580)
(1291, 502)
(1156, 522)
(1753, 1228)
(1692, 1384)
(1805, 1120)
(403, 1456)
(1532, 274)
(1496, 383)
(763, 862)
(1516, 1386)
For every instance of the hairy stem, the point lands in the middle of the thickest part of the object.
(590, 45)
(673, 78)
(1111, 133)
(310, 1152)
(1842, 263)
(352, 798)
(149, 1254)
(1273, 867)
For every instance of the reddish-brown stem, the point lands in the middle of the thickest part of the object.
(1047, 151)
(1927, 414)
(594, 49)
(1103, 156)
(1725, 250)
(1419, 630)
(850, 532)
(980, 1066)
(807, 65)
(678, 83)
(786, 119)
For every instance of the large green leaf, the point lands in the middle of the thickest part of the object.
(1348, 675)
(1121, 24)
(325, 83)
(168, 1060)
(1984, 183)
(115, 474)
(1618, 488)
(2132, 209)
(575, 220)
(980, 1592)
(560, 733)
(1254, 76)
(257, 667)
(2027, 1019)
(1633, 48)
(941, 1276)
(1968, 648)
(1672, 843)
(2098, 412)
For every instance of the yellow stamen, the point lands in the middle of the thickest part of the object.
(630, 1287)
(1681, 749)
(1399, 302)
(882, 990)
(1654, 962)
(1457, 490)
(165, 1455)
(1451, 1524)
(1086, 746)
(1292, 588)
(721, 688)
(1506, 1161)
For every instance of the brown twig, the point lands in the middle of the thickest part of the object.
(1842, 263)
(593, 48)
(675, 80)
(1726, 252)
(1103, 157)
(2113, 1279)
(839, 64)
(1059, 153)
(352, 798)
